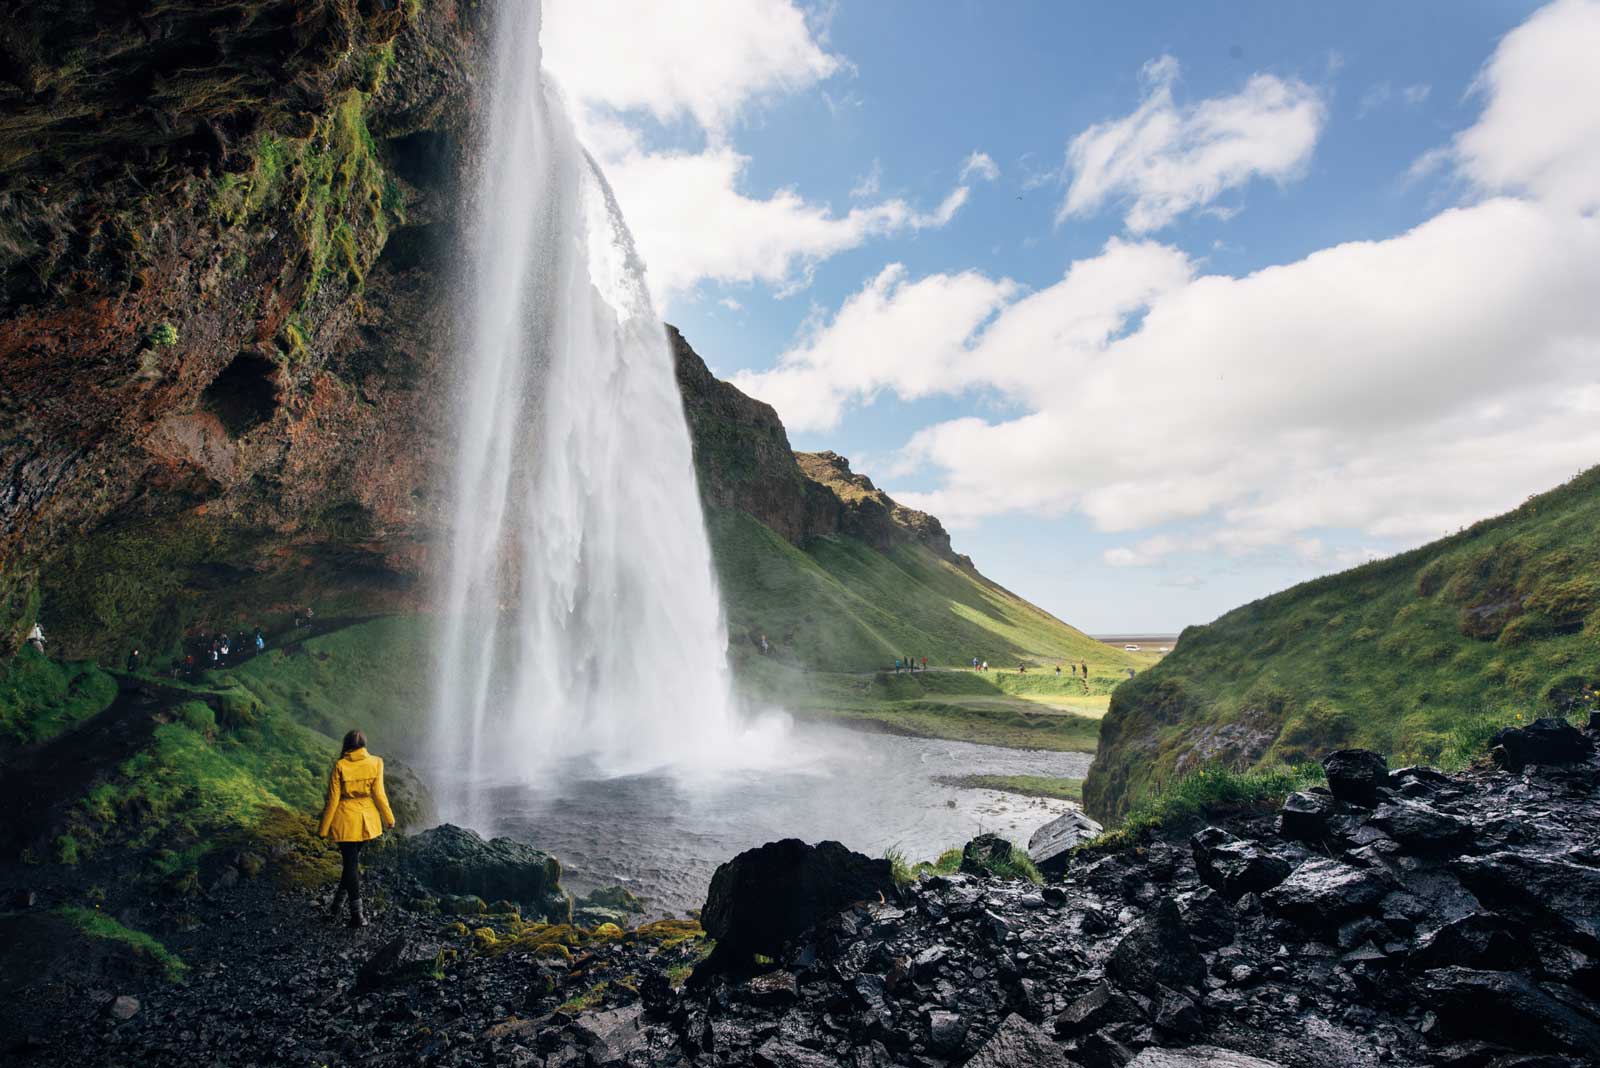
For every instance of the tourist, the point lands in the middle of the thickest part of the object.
(1058, 670)
(897, 665)
(924, 664)
(261, 640)
(36, 638)
(357, 812)
(1130, 673)
(985, 666)
(764, 645)
(133, 662)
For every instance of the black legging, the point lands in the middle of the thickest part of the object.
(350, 880)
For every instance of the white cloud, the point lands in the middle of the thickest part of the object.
(869, 183)
(1164, 160)
(693, 222)
(691, 213)
(1540, 129)
(706, 61)
(731, 304)
(1399, 387)
(1416, 94)
(980, 166)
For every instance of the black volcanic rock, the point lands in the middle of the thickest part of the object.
(1509, 1008)
(1019, 1044)
(1551, 740)
(1542, 890)
(765, 896)
(1305, 815)
(1233, 866)
(1356, 775)
(453, 860)
(1322, 893)
(1157, 952)
(1420, 827)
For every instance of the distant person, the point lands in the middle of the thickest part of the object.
(974, 663)
(1058, 670)
(261, 641)
(924, 664)
(36, 638)
(985, 666)
(133, 662)
(357, 812)
(1022, 669)
(897, 665)
(1130, 673)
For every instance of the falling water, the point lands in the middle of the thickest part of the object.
(581, 624)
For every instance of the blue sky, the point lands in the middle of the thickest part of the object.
(1160, 307)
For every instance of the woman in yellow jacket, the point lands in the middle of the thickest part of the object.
(356, 813)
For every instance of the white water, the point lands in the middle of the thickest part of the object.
(581, 627)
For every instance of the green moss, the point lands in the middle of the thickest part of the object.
(97, 924)
(41, 698)
(163, 335)
(587, 1000)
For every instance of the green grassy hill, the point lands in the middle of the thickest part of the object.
(841, 605)
(1419, 656)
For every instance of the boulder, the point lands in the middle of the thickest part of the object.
(984, 853)
(1420, 827)
(1542, 890)
(774, 988)
(123, 1007)
(1356, 775)
(1506, 1008)
(1052, 845)
(611, 1036)
(1478, 940)
(1210, 919)
(1094, 1011)
(453, 860)
(1234, 866)
(1157, 952)
(1305, 815)
(404, 960)
(1322, 893)
(1016, 1043)
(765, 896)
(946, 1031)
(1198, 1057)
(1551, 740)
(776, 1053)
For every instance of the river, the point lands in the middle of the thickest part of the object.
(662, 836)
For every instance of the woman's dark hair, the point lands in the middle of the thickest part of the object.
(354, 740)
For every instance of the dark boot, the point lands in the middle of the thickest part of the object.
(357, 917)
(338, 903)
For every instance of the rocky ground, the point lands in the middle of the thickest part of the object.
(1398, 918)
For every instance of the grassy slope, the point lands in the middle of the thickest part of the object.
(1417, 656)
(839, 605)
(40, 697)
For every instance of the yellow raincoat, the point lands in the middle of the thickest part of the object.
(358, 809)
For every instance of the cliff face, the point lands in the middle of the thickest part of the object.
(218, 321)
(744, 462)
(225, 324)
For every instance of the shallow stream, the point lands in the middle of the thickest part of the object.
(662, 836)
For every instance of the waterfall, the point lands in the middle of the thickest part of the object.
(580, 619)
